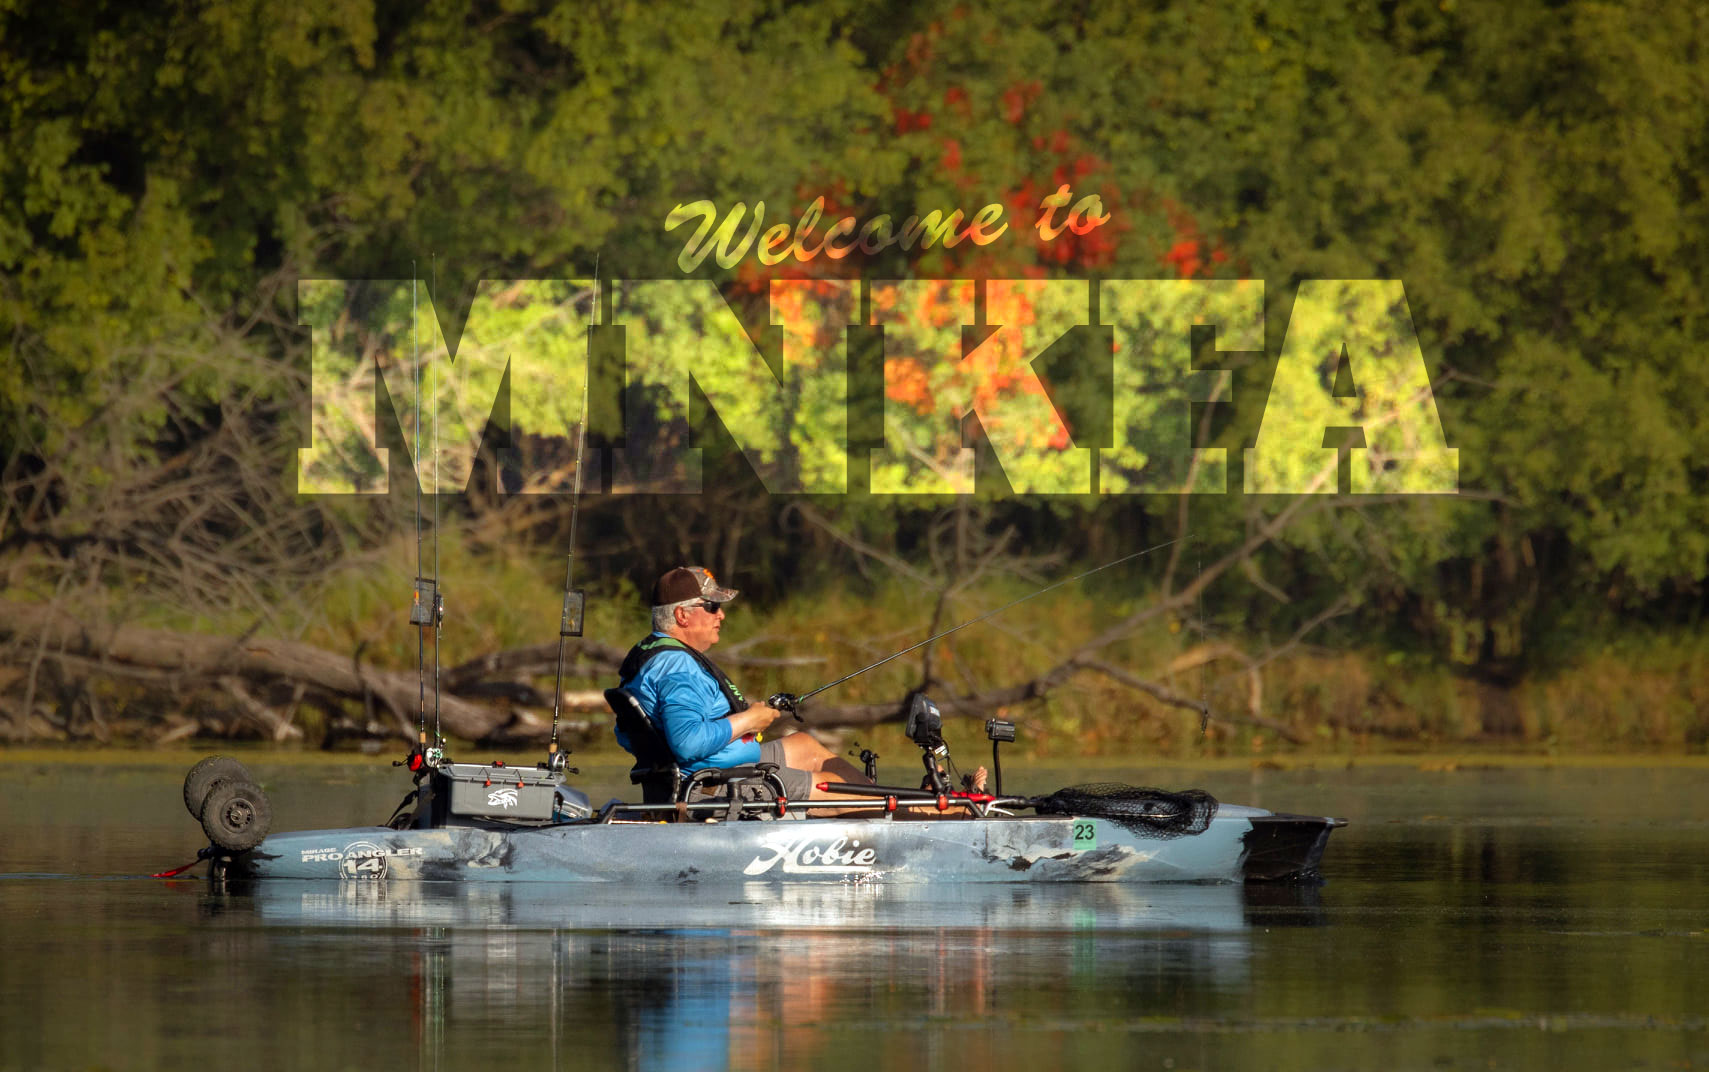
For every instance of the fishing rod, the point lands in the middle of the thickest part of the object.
(790, 702)
(575, 599)
(1204, 695)
(438, 597)
(416, 611)
(427, 607)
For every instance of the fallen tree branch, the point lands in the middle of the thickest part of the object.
(205, 658)
(1174, 699)
(176, 660)
(591, 658)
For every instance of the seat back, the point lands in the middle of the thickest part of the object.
(656, 770)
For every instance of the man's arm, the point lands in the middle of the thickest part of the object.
(691, 711)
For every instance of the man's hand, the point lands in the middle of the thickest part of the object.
(753, 720)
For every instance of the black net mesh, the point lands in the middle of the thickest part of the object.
(1153, 813)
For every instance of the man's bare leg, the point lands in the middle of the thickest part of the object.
(804, 752)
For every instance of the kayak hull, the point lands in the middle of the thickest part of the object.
(1239, 844)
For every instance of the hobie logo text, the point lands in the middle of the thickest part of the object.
(809, 856)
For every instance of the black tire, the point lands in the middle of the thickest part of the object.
(236, 815)
(203, 776)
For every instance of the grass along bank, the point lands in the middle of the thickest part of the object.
(1640, 693)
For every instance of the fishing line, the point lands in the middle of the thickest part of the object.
(784, 701)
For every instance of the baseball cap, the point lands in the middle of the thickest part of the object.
(689, 582)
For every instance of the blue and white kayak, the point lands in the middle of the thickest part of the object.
(1237, 844)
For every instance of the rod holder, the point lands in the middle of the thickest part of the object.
(999, 730)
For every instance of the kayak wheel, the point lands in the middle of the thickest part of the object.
(236, 815)
(204, 774)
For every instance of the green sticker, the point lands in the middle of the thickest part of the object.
(1085, 835)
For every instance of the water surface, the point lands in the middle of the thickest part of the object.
(1499, 918)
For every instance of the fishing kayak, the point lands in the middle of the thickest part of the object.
(467, 822)
(1238, 844)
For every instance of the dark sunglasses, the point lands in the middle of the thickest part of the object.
(711, 607)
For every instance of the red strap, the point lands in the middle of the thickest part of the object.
(207, 853)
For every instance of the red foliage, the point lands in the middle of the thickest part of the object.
(1184, 256)
(1018, 97)
(919, 51)
(906, 120)
(918, 82)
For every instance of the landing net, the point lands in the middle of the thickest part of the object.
(1153, 813)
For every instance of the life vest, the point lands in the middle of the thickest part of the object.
(657, 645)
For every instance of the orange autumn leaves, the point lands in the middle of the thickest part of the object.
(938, 375)
(939, 367)
(916, 372)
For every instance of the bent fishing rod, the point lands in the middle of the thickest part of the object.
(785, 701)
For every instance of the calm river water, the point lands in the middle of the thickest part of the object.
(1470, 919)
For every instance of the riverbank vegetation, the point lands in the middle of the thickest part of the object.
(1529, 172)
(1335, 693)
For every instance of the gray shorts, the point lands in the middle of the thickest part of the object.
(797, 784)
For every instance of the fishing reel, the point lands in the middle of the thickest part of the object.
(423, 759)
(785, 701)
(558, 762)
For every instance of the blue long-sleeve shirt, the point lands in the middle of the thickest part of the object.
(689, 707)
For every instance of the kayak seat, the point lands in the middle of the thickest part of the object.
(761, 777)
(659, 774)
(656, 769)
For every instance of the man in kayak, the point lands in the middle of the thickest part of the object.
(704, 717)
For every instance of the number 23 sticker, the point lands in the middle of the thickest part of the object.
(1085, 835)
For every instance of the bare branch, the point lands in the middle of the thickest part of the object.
(202, 657)
(815, 518)
(1174, 699)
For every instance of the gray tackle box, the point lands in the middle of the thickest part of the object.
(493, 791)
